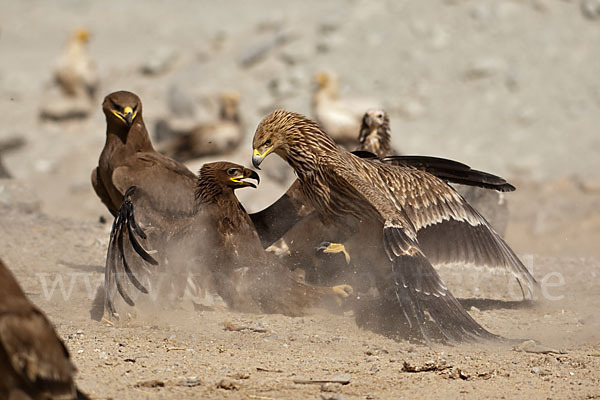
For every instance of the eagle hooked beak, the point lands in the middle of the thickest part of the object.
(129, 115)
(258, 157)
(248, 174)
(126, 116)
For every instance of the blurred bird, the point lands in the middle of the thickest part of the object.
(400, 215)
(188, 141)
(374, 135)
(76, 73)
(128, 158)
(340, 117)
(217, 244)
(34, 362)
(75, 82)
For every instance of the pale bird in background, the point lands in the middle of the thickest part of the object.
(76, 73)
(340, 117)
(75, 82)
(189, 140)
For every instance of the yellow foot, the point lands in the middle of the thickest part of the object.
(342, 292)
(334, 248)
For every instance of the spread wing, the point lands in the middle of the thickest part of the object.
(408, 277)
(451, 171)
(274, 221)
(448, 229)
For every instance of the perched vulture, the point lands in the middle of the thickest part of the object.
(395, 211)
(375, 135)
(34, 362)
(218, 244)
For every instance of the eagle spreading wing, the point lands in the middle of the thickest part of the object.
(400, 202)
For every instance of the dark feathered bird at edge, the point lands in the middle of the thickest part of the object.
(34, 362)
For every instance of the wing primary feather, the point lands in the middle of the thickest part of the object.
(131, 228)
(121, 256)
(427, 303)
(135, 225)
(126, 267)
(109, 273)
(452, 171)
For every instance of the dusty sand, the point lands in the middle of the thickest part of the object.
(506, 86)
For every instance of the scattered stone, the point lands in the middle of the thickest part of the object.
(331, 24)
(485, 68)
(530, 346)
(331, 387)
(189, 382)
(230, 326)
(153, 383)
(240, 375)
(259, 51)
(160, 61)
(427, 367)
(457, 373)
(228, 384)
(15, 195)
(342, 379)
(262, 369)
(590, 9)
(336, 396)
(57, 108)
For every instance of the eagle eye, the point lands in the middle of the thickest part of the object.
(231, 171)
(116, 106)
(268, 142)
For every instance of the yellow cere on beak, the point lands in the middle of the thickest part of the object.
(127, 116)
(237, 179)
(248, 173)
(258, 157)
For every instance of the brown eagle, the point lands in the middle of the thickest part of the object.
(34, 362)
(128, 158)
(218, 243)
(393, 209)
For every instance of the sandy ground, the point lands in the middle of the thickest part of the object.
(506, 86)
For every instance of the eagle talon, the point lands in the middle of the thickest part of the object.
(334, 248)
(342, 292)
